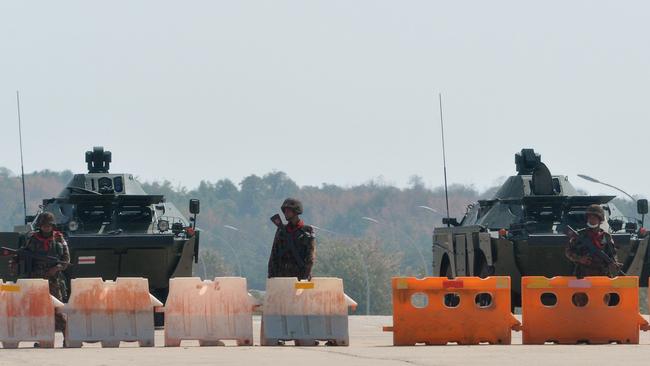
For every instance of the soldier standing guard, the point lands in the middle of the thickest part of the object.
(47, 242)
(578, 252)
(293, 251)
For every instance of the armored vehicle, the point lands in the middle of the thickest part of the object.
(115, 229)
(521, 230)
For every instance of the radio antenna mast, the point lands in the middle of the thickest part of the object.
(22, 167)
(444, 158)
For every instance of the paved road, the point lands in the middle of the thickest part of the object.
(370, 346)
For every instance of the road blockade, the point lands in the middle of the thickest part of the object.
(464, 310)
(305, 312)
(567, 310)
(209, 311)
(110, 312)
(27, 313)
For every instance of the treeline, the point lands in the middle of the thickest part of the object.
(366, 234)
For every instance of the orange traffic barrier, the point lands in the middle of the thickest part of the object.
(438, 310)
(568, 310)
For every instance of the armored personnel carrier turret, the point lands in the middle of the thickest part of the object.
(521, 230)
(115, 229)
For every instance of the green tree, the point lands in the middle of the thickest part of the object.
(364, 268)
(212, 264)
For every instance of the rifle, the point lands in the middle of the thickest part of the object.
(24, 253)
(28, 258)
(277, 220)
(593, 250)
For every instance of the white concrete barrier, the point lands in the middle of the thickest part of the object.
(209, 311)
(305, 311)
(27, 313)
(110, 312)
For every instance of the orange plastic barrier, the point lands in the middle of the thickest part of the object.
(568, 310)
(438, 310)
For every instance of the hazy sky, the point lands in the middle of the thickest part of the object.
(329, 91)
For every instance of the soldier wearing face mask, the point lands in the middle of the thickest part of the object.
(587, 264)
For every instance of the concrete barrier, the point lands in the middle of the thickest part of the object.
(27, 313)
(209, 311)
(305, 312)
(110, 312)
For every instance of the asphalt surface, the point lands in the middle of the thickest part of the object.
(369, 346)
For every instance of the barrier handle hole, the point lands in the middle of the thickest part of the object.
(580, 299)
(483, 300)
(419, 300)
(451, 300)
(548, 299)
(612, 299)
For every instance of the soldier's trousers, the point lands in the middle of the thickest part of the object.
(57, 290)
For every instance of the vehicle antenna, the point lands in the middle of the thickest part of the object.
(444, 157)
(22, 167)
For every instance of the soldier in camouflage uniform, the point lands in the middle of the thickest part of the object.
(46, 241)
(293, 251)
(587, 264)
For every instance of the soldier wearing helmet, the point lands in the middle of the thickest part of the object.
(294, 245)
(47, 242)
(587, 264)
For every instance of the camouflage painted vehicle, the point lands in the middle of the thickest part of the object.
(521, 230)
(115, 229)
